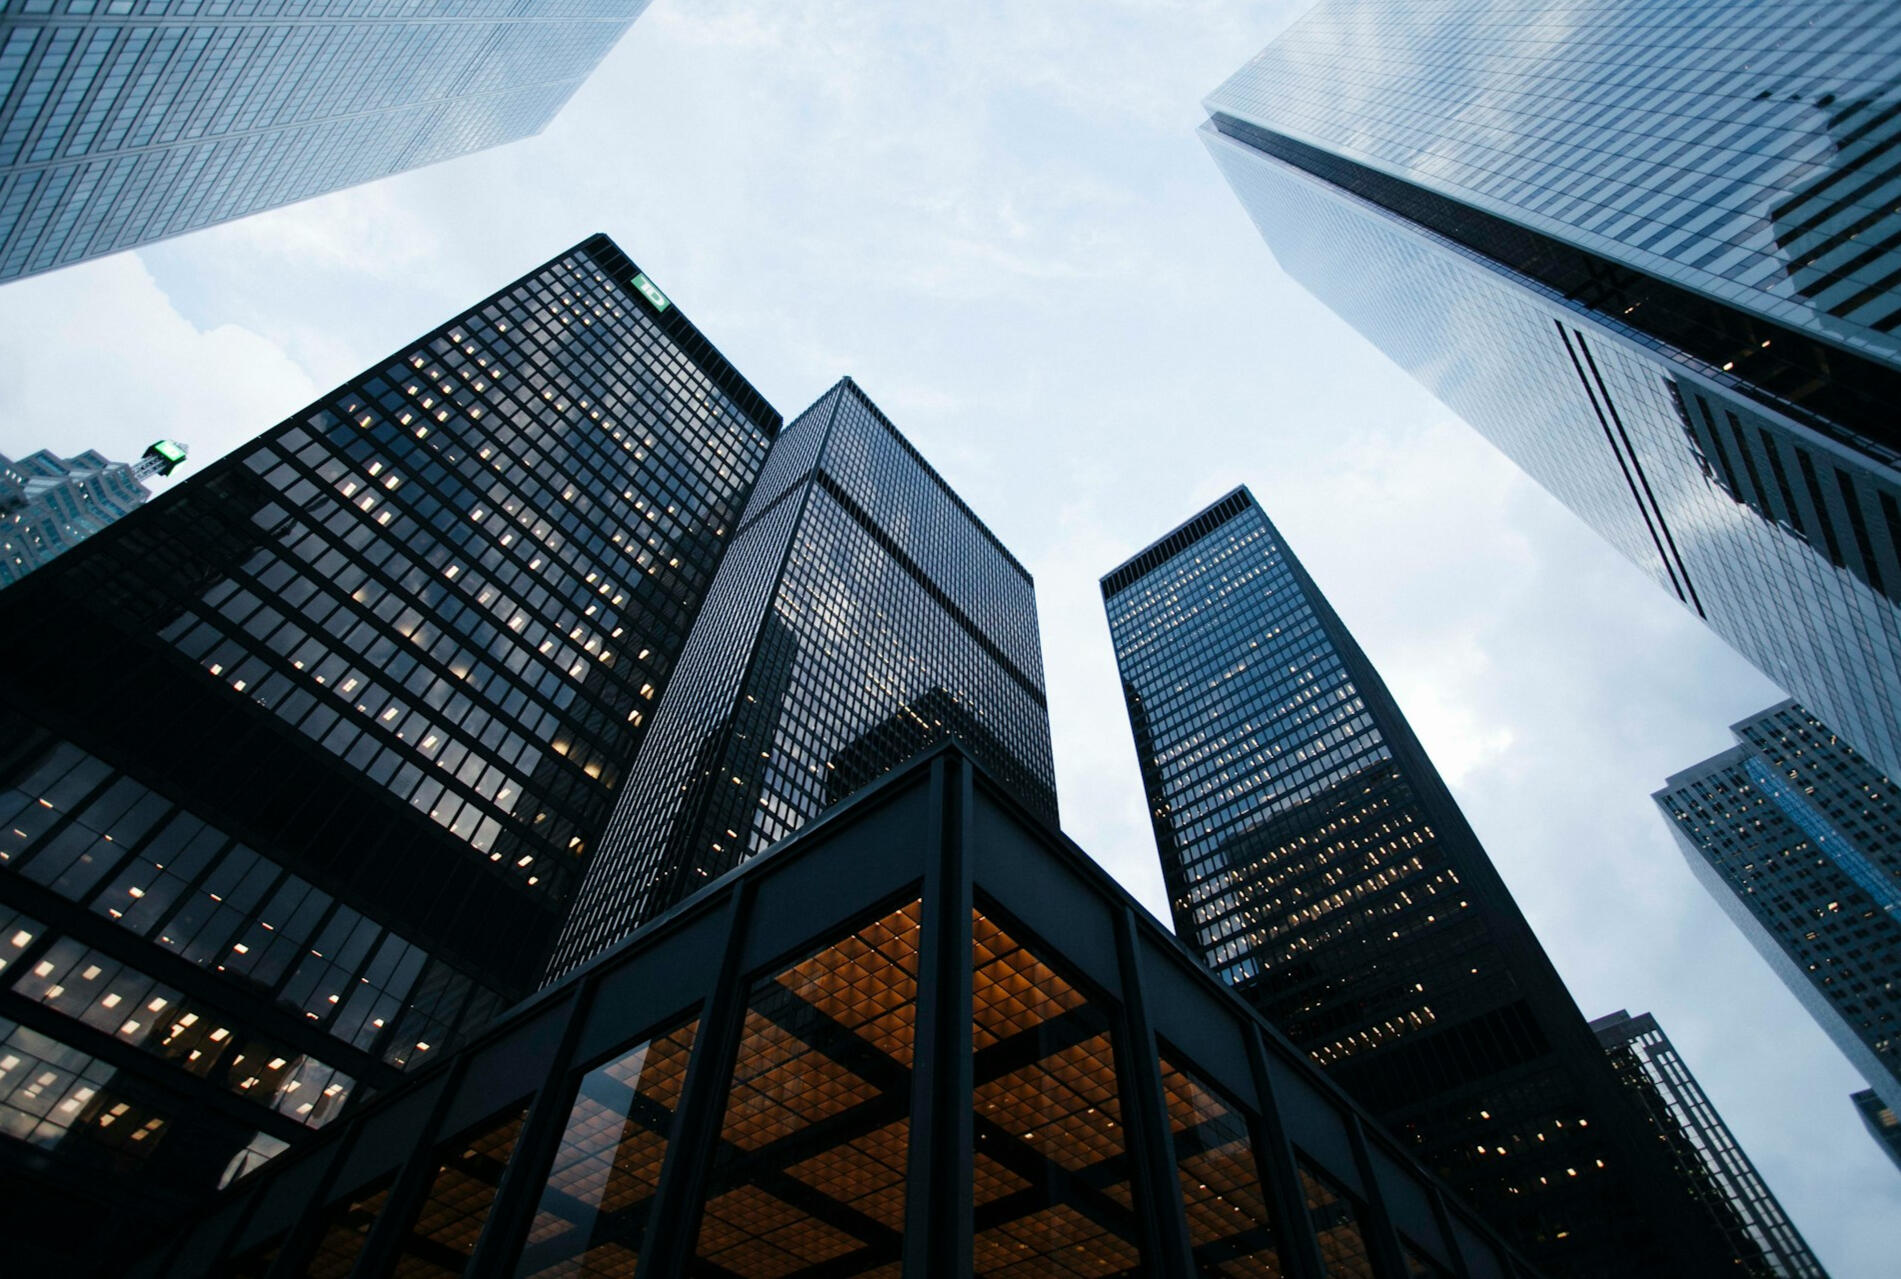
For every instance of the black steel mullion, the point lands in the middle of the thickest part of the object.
(1389, 1256)
(161, 1072)
(517, 1195)
(411, 1186)
(679, 1197)
(306, 1232)
(182, 975)
(940, 1164)
(1280, 1174)
(1443, 1218)
(1148, 1135)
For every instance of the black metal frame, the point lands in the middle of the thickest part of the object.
(941, 830)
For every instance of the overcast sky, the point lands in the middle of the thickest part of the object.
(996, 216)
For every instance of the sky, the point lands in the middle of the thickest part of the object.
(996, 217)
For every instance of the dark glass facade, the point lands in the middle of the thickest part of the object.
(1667, 285)
(862, 614)
(1798, 838)
(1703, 1151)
(119, 127)
(1316, 861)
(925, 1036)
(301, 763)
(1881, 1121)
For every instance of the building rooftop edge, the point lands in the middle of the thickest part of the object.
(849, 383)
(1239, 490)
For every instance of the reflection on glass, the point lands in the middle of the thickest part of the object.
(1052, 1187)
(1418, 1265)
(1337, 1225)
(451, 1219)
(811, 1160)
(593, 1211)
(1228, 1223)
(343, 1235)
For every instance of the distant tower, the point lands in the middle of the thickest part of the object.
(1650, 250)
(1882, 1123)
(120, 127)
(1703, 1150)
(50, 504)
(301, 763)
(1319, 865)
(1799, 840)
(862, 614)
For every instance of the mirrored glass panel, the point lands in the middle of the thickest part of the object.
(593, 1212)
(1336, 1223)
(1052, 1177)
(451, 1220)
(1228, 1223)
(811, 1161)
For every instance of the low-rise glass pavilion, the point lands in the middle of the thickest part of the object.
(925, 1036)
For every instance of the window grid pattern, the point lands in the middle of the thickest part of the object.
(829, 651)
(1743, 149)
(48, 503)
(1309, 868)
(593, 1214)
(1798, 837)
(467, 574)
(122, 123)
(1705, 1151)
(1785, 541)
(101, 839)
(810, 1168)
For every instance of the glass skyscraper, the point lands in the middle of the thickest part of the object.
(1316, 861)
(301, 763)
(124, 124)
(862, 614)
(1650, 249)
(1881, 1121)
(1799, 840)
(1703, 1150)
(50, 504)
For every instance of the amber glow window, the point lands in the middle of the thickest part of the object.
(811, 1161)
(1052, 1189)
(1336, 1224)
(1228, 1223)
(593, 1213)
(343, 1235)
(451, 1220)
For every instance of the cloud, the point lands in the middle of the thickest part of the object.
(96, 356)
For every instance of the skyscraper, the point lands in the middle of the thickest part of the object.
(1703, 1150)
(964, 1051)
(862, 614)
(50, 504)
(1316, 861)
(301, 763)
(1799, 840)
(118, 128)
(1649, 249)
(1881, 1121)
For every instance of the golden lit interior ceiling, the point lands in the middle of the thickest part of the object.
(1337, 1226)
(343, 1236)
(1228, 1223)
(593, 1210)
(1052, 1186)
(451, 1220)
(810, 1168)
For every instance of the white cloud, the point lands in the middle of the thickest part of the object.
(96, 356)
